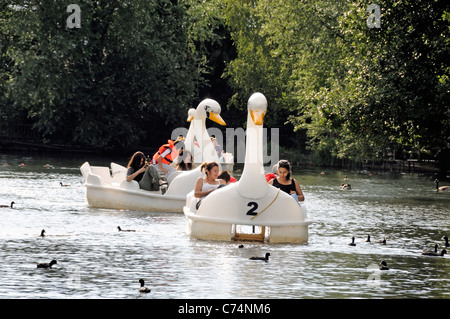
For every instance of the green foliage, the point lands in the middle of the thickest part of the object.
(357, 91)
(130, 71)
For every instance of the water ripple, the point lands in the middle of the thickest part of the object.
(96, 261)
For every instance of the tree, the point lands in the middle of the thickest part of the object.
(358, 90)
(129, 72)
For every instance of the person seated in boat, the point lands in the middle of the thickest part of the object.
(226, 177)
(166, 154)
(184, 162)
(209, 183)
(141, 171)
(287, 184)
(216, 145)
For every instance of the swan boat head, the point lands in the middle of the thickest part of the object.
(209, 108)
(205, 152)
(184, 182)
(191, 113)
(251, 200)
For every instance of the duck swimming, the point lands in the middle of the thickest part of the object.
(7, 206)
(432, 253)
(446, 241)
(143, 289)
(442, 188)
(63, 185)
(383, 265)
(346, 187)
(382, 241)
(126, 230)
(353, 242)
(430, 250)
(368, 239)
(47, 265)
(266, 258)
(42, 233)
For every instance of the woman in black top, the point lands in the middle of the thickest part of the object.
(286, 183)
(145, 174)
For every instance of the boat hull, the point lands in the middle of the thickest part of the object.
(140, 200)
(112, 191)
(204, 228)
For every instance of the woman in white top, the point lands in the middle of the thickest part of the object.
(209, 182)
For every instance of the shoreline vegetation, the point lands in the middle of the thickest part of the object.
(348, 83)
(297, 158)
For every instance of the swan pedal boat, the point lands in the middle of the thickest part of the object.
(198, 141)
(226, 213)
(108, 188)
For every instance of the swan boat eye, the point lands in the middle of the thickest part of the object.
(207, 110)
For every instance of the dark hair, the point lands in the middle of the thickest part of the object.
(285, 164)
(179, 144)
(225, 176)
(184, 161)
(208, 166)
(135, 160)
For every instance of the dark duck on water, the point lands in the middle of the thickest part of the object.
(353, 242)
(446, 241)
(442, 188)
(143, 289)
(47, 265)
(432, 253)
(425, 251)
(7, 206)
(383, 265)
(266, 258)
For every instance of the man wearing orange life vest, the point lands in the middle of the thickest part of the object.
(166, 154)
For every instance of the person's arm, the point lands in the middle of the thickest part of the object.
(299, 192)
(160, 158)
(132, 176)
(198, 188)
(198, 193)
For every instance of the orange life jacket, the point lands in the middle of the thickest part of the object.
(168, 158)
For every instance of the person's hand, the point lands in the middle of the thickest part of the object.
(165, 170)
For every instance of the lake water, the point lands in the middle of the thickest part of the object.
(97, 261)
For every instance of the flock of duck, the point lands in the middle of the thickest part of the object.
(142, 288)
(445, 188)
(382, 265)
(435, 252)
(12, 203)
(426, 252)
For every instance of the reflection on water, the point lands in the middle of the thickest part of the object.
(96, 261)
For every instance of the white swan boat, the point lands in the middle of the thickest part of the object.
(249, 209)
(107, 187)
(198, 140)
